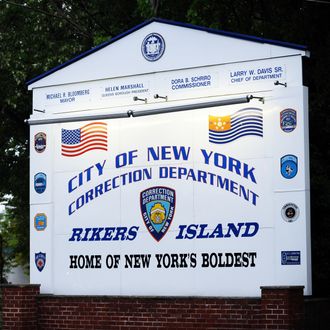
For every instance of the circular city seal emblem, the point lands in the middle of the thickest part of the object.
(153, 47)
(290, 212)
(40, 142)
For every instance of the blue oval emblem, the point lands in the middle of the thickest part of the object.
(157, 208)
(40, 182)
(289, 166)
(153, 47)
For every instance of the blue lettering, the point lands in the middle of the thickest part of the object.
(229, 163)
(71, 185)
(182, 172)
(181, 228)
(206, 156)
(80, 202)
(168, 153)
(103, 234)
(71, 210)
(182, 153)
(96, 234)
(132, 233)
(248, 225)
(173, 172)
(87, 231)
(163, 172)
(125, 159)
(114, 184)
(89, 196)
(100, 167)
(234, 165)
(217, 232)
(201, 231)
(248, 172)
(85, 176)
(254, 197)
(121, 234)
(76, 232)
(233, 187)
(108, 231)
(98, 190)
(235, 230)
(191, 231)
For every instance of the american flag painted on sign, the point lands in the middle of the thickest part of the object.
(225, 129)
(93, 136)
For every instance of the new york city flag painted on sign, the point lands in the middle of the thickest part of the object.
(89, 137)
(241, 123)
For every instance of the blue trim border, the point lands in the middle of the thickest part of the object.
(165, 21)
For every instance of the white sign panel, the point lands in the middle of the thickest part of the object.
(179, 204)
(212, 201)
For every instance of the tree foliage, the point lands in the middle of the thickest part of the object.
(36, 35)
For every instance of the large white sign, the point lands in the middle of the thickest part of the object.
(206, 202)
(189, 203)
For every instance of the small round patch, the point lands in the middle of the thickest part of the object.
(290, 212)
(153, 47)
(289, 166)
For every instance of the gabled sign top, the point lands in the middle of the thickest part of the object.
(190, 46)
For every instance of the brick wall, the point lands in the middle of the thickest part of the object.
(146, 313)
(19, 306)
(282, 307)
(278, 308)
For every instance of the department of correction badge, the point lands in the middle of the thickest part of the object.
(157, 208)
(288, 119)
(40, 142)
(289, 166)
(40, 182)
(40, 260)
(153, 47)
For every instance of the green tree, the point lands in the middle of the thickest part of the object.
(35, 36)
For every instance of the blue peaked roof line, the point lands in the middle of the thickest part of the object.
(165, 21)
